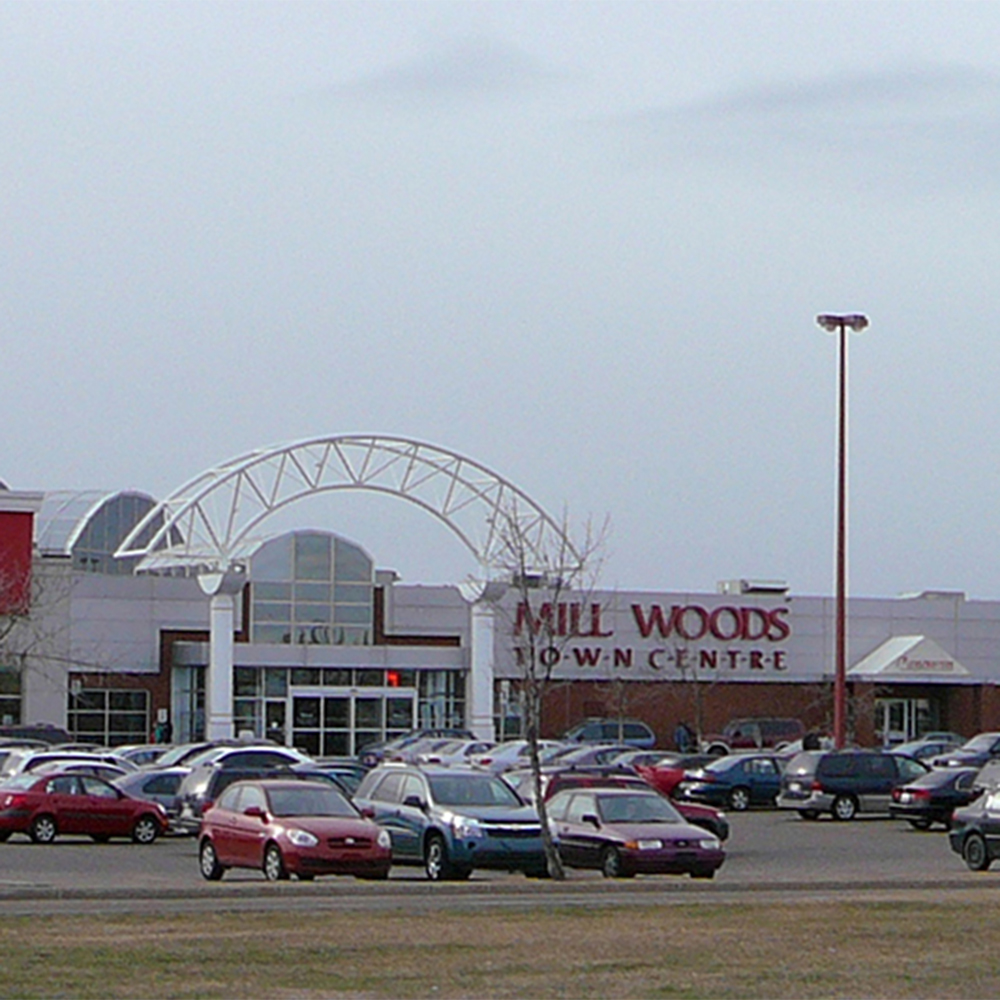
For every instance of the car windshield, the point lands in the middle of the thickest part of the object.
(472, 790)
(639, 808)
(309, 802)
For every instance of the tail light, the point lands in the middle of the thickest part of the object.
(206, 805)
(14, 801)
(816, 786)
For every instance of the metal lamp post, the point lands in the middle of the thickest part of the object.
(840, 325)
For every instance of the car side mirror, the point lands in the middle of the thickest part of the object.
(256, 811)
(592, 819)
(368, 812)
(414, 802)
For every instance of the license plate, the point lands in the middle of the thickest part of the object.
(650, 845)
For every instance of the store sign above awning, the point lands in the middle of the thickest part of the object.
(908, 657)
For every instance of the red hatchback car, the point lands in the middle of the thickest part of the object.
(46, 806)
(288, 827)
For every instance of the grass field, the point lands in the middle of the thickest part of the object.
(814, 949)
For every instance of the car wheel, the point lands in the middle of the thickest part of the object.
(844, 808)
(145, 830)
(436, 863)
(274, 864)
(208, 861)
(611, 863)
(43, 829)
(739, 799)
(809, 813)
(920, 824)
(975, 853)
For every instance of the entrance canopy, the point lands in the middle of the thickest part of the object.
(209, 524)
(913, 658)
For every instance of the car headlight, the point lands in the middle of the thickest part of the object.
(384, 839)
(465, 827)
(302, 838)
(710, 844)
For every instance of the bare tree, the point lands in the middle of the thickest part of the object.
(549, 585)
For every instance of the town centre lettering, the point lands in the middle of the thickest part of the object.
(567, 620)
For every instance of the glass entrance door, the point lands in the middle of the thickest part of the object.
(340, 723)
(898, 720)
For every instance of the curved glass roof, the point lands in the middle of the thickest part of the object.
(88, 525)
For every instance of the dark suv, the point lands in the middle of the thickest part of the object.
(845, 782)
(452, 820)
(754, 734)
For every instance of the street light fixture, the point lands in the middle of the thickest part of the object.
(840, 325)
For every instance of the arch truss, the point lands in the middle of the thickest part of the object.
(210, 523)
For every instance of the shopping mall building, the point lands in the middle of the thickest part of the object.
(119, 612)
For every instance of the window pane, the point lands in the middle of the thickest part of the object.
(264, 611)
(337, 713)
(274, 634)
(246, 682)
(352, 593)
(370, 678)
(312, 612)
(352, 614)
(317, 593)
(352, 563)
(125, 700)
(273, 560)
(305, 713)
(305, 677)
(272, 591)
(275, 682)
(312, 557)
(368, 713)
(336, 678)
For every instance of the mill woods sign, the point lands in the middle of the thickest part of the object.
(589, 639)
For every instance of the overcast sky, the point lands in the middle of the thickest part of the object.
(581, 243)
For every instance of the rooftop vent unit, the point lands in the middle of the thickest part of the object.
(773, 587)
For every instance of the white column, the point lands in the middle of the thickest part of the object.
(222, 587)
(219, 684)
(481, 679)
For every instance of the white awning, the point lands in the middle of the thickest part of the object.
(909, 658)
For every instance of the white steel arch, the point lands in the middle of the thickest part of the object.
(208, 524)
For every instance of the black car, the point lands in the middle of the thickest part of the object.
(845, 782)
(973, 753)
(934, 796)
(975, 831)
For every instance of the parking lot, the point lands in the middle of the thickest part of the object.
(767, 850)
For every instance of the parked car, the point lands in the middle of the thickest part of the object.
(587, 756)
(374, 753)
(459, 752)
(290, 827)
(972, 753)
(753, 734)
(142, 754)
(205, 783)
(47, 806)
(109, 772)
(628, 831)
(44, 732)
(845, 782)
(738, 781)
(452, 820)
(925, 749)
(669, 772)
(345, 771)
(628, 731)
(975, 831)
(555, 779)
(934, 796)
(161, 786)
(31, 759)
(513, 754)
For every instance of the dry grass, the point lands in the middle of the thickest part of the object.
(945, 949)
